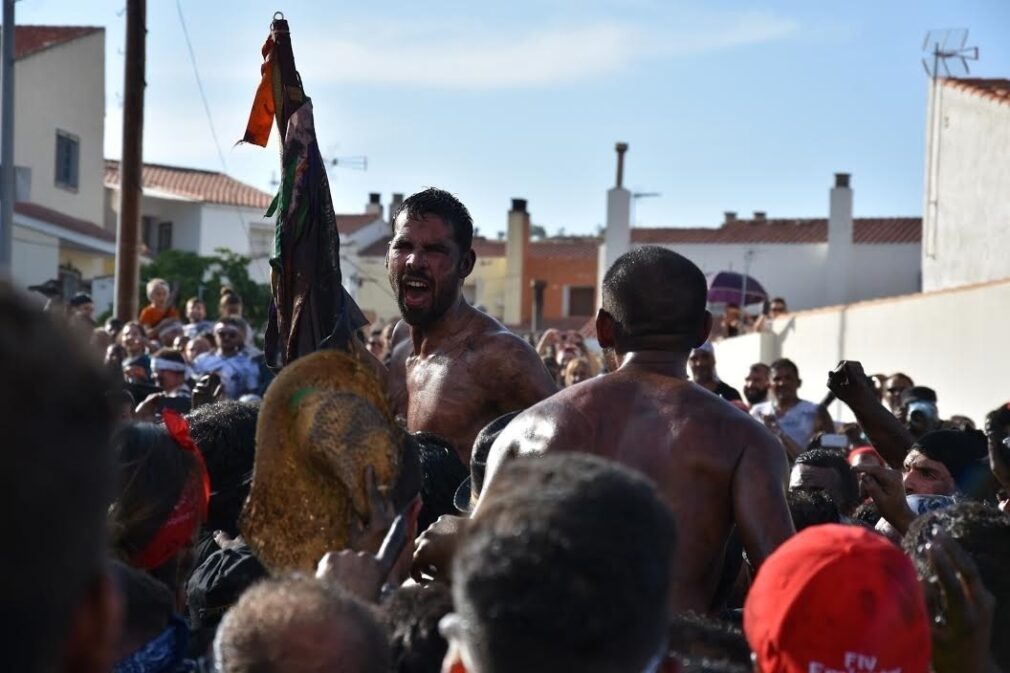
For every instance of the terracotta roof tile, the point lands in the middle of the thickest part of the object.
(59, 219)
(487, 248)
(993, 89)
(869, 230)
(30, 40)
(484, 248)
(573, 248)
(196, 184)
(350, 223)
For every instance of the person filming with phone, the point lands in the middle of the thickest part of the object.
(792, 420)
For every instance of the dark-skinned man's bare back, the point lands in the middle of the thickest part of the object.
(714, 464)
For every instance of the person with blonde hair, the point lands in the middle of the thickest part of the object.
(160, 308)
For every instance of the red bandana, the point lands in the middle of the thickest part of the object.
(189, 511)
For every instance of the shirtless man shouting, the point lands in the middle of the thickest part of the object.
(714, 465)
(465, 369)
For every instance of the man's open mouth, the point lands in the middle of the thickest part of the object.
(416, 292)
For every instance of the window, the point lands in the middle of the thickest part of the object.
(581, 301)
(261, 242)
(67, 160)
(164, 236)
(157, 235)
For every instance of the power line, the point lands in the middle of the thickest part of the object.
(210, 124)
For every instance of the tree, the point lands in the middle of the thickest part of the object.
(193, 275)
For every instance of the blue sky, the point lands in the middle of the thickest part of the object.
(726, 105)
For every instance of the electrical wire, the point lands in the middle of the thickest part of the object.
(213, 132)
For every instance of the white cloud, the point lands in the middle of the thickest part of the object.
(502, 58)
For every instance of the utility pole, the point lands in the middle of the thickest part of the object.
(7, 140)
(132, 163)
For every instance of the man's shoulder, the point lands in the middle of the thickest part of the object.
(492, 338)
(806, 407)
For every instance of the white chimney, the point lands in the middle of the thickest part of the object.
(840, 255)
(374, 206)
(517, 245)
(617, 237)
(394, 204)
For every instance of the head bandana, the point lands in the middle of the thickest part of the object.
(189, 511)
(166, 365)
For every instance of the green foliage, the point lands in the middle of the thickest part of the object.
(192, 275)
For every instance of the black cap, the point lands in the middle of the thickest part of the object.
(918, 394)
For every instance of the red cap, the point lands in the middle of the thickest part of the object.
(838, 598)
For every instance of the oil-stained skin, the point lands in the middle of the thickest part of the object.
(713, 464)
(463, 369)
(455, 385)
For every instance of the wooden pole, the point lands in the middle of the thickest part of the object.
(132, 163)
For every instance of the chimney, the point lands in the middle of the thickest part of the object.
(517, 243)
(760, 215)
(840, 250)
(394, 205)
(621, 149)
(374, 206)
(728, 216)
(617, 235)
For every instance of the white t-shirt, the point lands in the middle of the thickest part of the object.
(797, 423)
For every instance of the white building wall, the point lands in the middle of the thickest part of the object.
(885, 270)
(35, 258)
(967, 203)
(799, 273)
(795, 272)
(63, 87)
(228, 227)
(948, 340)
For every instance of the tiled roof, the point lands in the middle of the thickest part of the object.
(30, 40)
(573, 248)
(196, 184)
(483, 247)
(348, 224)
(870, 230)
(487, 248)
(993, 89)
(59, 219)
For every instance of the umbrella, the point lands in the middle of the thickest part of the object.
(310, 308)
(730, 287)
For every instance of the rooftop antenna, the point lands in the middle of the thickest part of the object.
(947, 47)
(355, 163)
(942, 48)
(635, 196)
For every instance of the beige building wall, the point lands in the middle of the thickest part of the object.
(373, 293)
(950, 340)
(90, 264)
(489, 280)
(63, 88)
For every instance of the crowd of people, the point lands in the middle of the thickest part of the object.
(448, 496)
